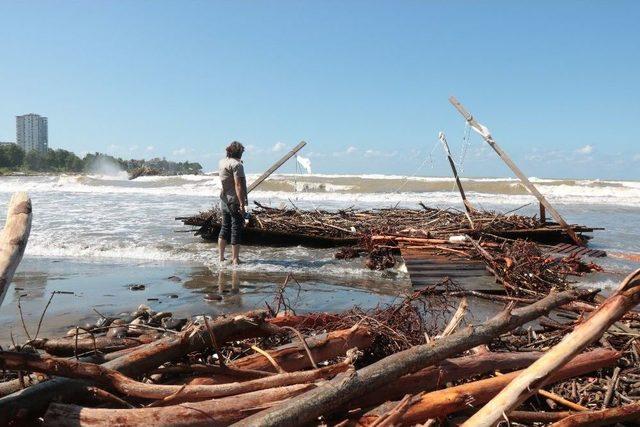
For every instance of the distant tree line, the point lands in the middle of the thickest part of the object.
(14, 159)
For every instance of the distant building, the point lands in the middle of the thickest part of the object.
(32, 133)
(6, 142)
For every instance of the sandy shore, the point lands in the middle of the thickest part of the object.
(182, 288)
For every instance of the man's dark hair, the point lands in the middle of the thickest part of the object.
(235, 150)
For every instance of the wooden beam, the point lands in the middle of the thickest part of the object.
(275, 166)
(13, 239)
(467, 206)
(486, 135)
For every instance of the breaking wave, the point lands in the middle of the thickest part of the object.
(360, 188)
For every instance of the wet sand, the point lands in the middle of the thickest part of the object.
(168, 286)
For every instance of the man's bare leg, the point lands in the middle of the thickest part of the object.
(222, 245)
(235, 254)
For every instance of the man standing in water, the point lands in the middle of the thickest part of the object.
(233, 201)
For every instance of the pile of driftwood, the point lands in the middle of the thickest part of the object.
(524, 268)
(404, 364)
(346, 223)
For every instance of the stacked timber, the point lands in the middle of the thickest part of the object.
(408, 363)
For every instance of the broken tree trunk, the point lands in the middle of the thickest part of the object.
(486, 135)
(538, 374)
(31, 402)
(466, 396)
(346, 387)
(216, 412)
(13, 239)
(605, 417)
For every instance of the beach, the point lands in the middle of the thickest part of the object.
(96, 236)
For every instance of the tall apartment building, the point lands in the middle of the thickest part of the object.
(32, 133)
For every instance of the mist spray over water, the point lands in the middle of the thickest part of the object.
(107, 167)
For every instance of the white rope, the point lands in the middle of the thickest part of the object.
(466, 144)
(428, 158)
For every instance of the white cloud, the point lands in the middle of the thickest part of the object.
(279, 146)
(150, 148)
(252, 149)
(636, 158)
(587, 149)
(378, 153)
(180, 152)
(133, 148)
(351, 149)
(113, 147)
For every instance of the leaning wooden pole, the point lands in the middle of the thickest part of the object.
(486, 135)
(467, 205)
(275, 166)
(13, 239)
(538, 374)
(335, 393)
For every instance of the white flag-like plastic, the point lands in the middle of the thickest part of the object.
(305, 163)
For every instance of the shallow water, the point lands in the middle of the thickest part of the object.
(96, 235)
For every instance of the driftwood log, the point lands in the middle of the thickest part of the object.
(13, 239)
(448, 370)
(465, 396)
(130, 387)
(30, 403)
(538, 374)
(621, 414)
(349, 386)
(293, 357)
(216, 412)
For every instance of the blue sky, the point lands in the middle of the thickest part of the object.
(365, 83)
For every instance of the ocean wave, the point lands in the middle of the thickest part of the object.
(319, 187)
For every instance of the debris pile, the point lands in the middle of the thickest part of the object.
(266, 367)
(346, 227)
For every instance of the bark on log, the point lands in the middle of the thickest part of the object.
(11, 386)
(605, 417)
(13, 239)
(67, 346)
(98, 374)
(449, 370)
(466, 396)
(304, 321)
(538, 417)
(30, 403)
(537, 375)
(293, 357)
(344, 388)
(217, 412)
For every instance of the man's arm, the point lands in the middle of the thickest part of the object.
(240, 182)
(241, 193)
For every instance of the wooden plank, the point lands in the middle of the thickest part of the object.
(275, 166)
(428, 261)
(561, 247)
(484, 132)
(436, 267)
(448, 273)
(13, 239)
(483, 283)
(581, 252)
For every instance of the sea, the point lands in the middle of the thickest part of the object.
(94, 236)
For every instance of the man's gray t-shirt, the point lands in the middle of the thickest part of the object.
(230, 170)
